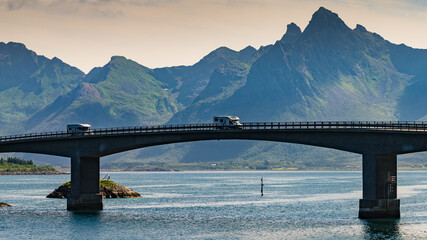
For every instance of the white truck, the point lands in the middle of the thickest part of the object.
(227, 122)
(79, 128)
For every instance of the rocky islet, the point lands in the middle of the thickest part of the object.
(108, 189)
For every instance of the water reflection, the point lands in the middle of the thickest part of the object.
(381, 229)
(84, 221)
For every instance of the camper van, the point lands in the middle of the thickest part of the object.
(227, 122)
(79, 128)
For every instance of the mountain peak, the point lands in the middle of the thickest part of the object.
(292, 33)
(117, 58)
(221, 51)
(324, 10)
(217, 54)
(325, 20)
(20, 49)
(57, 60)
(246, 54)
(122, 61)
(249, 48)
(360, 28)
(17, 45)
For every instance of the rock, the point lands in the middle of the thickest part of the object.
(61, 192)
(2, 204)
(108, 189)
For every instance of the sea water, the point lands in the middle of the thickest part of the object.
(214, 205)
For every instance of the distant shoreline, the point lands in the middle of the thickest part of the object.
(34, 173)
(254, 170)
(143, 170)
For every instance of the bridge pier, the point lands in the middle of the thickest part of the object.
(84, 184)
(379, 187)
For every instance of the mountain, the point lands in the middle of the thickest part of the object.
(188, 81)
(126, 93)
(29, 82)
(412, 104)
(328, 71)
(121, 93)
(224, 82)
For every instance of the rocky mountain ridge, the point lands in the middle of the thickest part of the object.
(328, 71)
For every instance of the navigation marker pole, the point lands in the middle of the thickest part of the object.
(262, 187)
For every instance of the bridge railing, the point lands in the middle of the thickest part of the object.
(400, 126)
(393, 126)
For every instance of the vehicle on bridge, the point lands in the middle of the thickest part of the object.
(79, 128)
(227, 122)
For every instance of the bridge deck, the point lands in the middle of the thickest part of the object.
(378, 142)
(374, 126)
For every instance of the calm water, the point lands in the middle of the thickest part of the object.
(214, 205)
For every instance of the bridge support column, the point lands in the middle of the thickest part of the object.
(379, 187)
(84, 184)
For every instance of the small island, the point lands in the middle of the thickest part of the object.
(107, 188)
(17, 166)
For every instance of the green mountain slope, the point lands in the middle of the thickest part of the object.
(29, 82)
(119, 94)
(326, 72)
(124, 93)
(224, 82)
(187, 82)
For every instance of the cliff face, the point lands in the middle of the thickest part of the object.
(108, 189)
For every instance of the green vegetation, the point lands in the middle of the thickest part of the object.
(121, 93)
(107, 183)
(66, 184)
(234, 165)
(103, 183)
(29, 82)
(13, 164)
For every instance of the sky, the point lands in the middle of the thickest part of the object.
(158, 33)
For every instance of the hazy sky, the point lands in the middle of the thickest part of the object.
(157, 33)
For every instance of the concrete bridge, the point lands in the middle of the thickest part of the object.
(378, 142)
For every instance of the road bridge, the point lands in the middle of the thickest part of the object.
(378, 142)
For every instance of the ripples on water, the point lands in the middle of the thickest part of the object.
(214, 205)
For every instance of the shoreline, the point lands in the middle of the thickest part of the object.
(252, 170)
(34, 173)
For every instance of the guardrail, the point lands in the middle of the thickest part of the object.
(392, 126)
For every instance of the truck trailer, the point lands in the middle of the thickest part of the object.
(227, 122)
(79, 128)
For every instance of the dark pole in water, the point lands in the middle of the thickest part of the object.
(262, 187)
